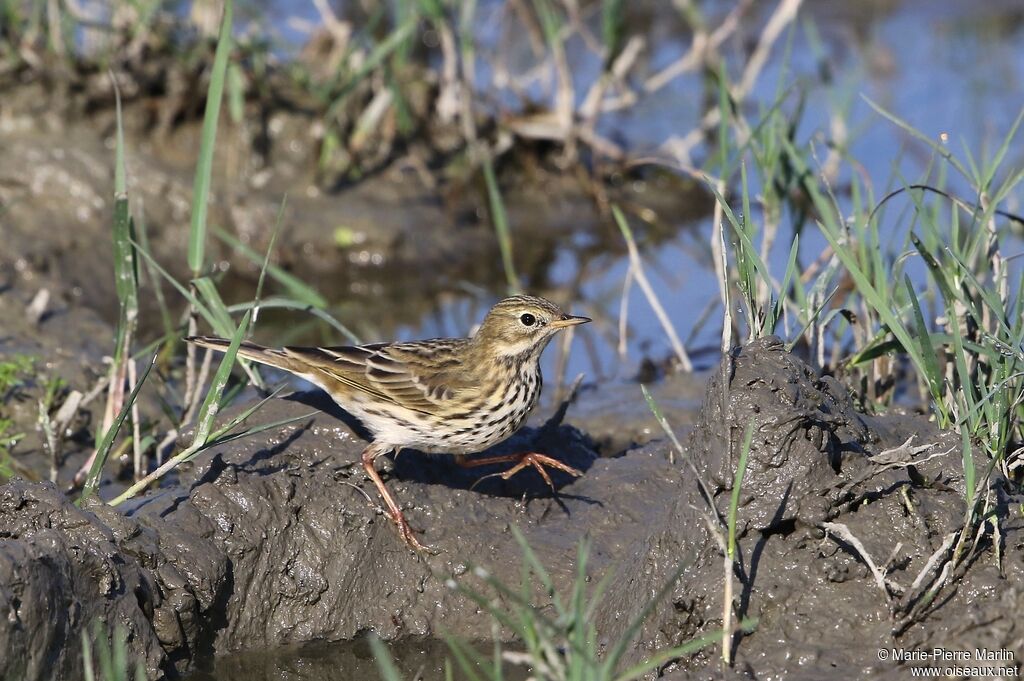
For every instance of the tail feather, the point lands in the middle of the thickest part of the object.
(257, 353)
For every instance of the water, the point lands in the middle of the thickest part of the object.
(952, 69)
(414, 659)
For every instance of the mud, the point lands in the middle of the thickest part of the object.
(271, 542)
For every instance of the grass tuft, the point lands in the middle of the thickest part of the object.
(558, 639)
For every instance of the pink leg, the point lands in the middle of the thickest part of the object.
(370, 454)
(534, 459)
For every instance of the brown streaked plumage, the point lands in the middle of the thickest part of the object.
(444, 395)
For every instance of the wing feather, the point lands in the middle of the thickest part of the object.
(421, 376)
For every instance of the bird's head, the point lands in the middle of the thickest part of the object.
(521, 326)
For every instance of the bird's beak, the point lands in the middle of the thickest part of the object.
(568, 320)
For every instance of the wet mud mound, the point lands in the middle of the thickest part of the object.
(826, 491)
(273, 541)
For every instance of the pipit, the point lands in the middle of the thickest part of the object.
(445, 395)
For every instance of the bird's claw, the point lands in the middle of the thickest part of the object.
(410, 537)
(538, 462)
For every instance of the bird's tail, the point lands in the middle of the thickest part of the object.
(257, 353)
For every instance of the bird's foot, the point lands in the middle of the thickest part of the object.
(534, 459)
(408, 536)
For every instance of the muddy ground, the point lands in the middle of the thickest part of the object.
(270, 542)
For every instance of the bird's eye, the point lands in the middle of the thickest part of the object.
(528, 319)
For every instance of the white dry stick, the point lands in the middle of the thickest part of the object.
(703, 44)
(96, 390)
(53, 17)
(652, 298)
(197, 396)
(190, 361)
(136, 427)
(115, 400)
(843, 532)
(947, 543)
(338, 29)
(450, 90)
(565, 96)
(718, 256)
(593, 102)
(680, 147)
(68, 410)
(892, 556)
(37, 308)
(369, 120)
(727, 610)
(468, 73)
(56, 428)
(169, 438)
(784, 14)
(50, 436)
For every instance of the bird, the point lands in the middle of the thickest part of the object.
(455, 396)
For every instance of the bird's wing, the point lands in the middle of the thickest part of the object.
(419, 376)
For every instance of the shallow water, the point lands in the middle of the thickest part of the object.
(415, 659)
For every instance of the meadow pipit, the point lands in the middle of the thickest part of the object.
(445, 395)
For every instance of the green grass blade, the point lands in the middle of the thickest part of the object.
(533, 561)
(612, 30)
(211, 403)
(500, 218)
(385, 663)
(246, 413)
(103, 651)
(289, 304)
(396, 39)
(464, 658)
(997, 160)
(204, 311)
(126, 282)
(119, 652)
(120, 175)
(659, 416)
(216, 440)
(932, 376)
(737, 484)
(778, 309)
(92, 481)
(970, 473)
(207, 144)
(266, 261)
(223, 326)
(297, 288)
(865, 286)
(87, 671)
(939, 273)
(939, 149)
(236, 94)
(612, 661)
(663, 656)
(747, 246)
